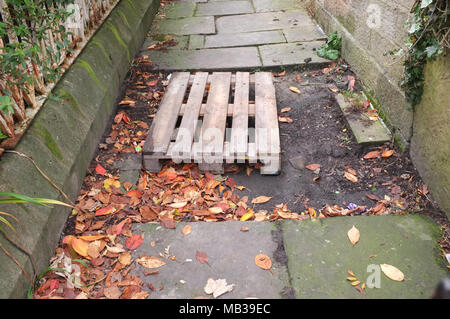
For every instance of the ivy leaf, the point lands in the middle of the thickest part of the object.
(433, 50)
(425, 3)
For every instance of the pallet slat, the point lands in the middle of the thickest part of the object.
(186, 131)
(215, 140)
(165, 120)
(266, 123)
(214, 123)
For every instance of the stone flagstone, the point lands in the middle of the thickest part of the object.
(262, 21)
(205, 59)
(223, 8)
(275, 5)
(243, 39)
(291, 53)
(304, 33)
(179, 10)
(185, 26)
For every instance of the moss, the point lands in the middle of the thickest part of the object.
(102, 48)
(48, 140)
(124, 18)
(119, 39)
(66, 96)
(85, 65)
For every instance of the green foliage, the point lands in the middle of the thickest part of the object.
(428, 36)
(6, 105)
(30, 21)
(332, 48)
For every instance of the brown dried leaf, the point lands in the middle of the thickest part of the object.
(186, 230)
(261, 199)
(392, 272)
(352, 178)
(150, 262)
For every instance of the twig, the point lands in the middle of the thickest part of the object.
(43, 174)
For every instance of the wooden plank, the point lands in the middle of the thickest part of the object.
(183, 143)
(233, 79)
(251, 110)
(163, 124)
(239, 130)
(214, 124)
(266, 123)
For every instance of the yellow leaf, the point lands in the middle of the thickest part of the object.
(248, 215)
(353, 235)
(294, 89)
(261, 199)
(80, 246)
(363, 286)
(352, 278)
(240, 187)
(356, 283)
(351, 273)
(186, 230)
(392, 272)
(111, 182)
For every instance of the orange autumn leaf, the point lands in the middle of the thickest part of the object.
(92, 237)
(80, 246)
(387, 153)
(105, 210)
(263, 261)
(313, 167)
(352, 178)
(134, 193)
(371, 155)
(134, 241)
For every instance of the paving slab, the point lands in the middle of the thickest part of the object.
(196, 42)
(320, 253)
(205, 59)
(262, 21)
(184, 26)
(291, 53)
(275, 5)
(230, 252)
(304, 33)
(181, 41)
(179, 10)
(364, 130)
(244, 39)
(223, 8)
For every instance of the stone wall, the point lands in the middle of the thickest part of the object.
(430, 145)
(370, 30)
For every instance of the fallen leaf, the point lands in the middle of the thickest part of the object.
(261, 199)
(167, 223)
(372, 197)
(294, 89)
(201, 257)
(125, 258)
(217, 287)
(150, 262)
(178, 205)
(100, 170)
(112, 292)
(111, 182)
(285, 109)
(105, 210)
(356, 283)
(285, 119)
(186, 230)
(134, 241)
(244, 229)
(352, 178)
(352, 278)
(263, 261)
(279, 74)
(353, 235)
(371, 155)
(351, 273)
(313, 167)
(134, 193)
(387, 153)
(80, 246)
(392, 272)
(298, 78)
(248, 215)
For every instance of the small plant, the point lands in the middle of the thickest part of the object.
(332, 48)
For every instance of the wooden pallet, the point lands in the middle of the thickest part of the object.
(215, 118)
